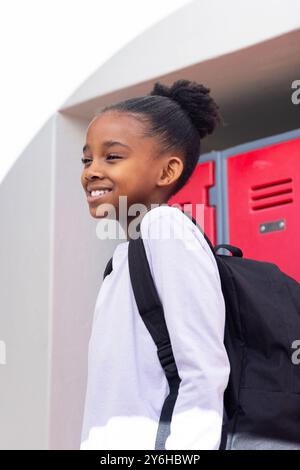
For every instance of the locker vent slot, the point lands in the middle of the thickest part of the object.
(271, 194)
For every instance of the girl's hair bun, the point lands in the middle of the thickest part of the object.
(195, 100)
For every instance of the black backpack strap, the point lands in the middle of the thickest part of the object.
(233, 249)
(152, 314)
(108, 268)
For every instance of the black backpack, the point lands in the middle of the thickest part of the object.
(262, 399)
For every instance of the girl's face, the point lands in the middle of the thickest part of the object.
(127, 167)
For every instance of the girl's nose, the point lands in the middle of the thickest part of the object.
(94, 171)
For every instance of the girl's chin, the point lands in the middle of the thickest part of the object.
(101, 212)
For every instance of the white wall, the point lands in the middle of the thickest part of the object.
(25, 300)
(198, 32)
(51, 270)
(79, 259)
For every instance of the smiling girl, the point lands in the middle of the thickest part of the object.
(146, 149)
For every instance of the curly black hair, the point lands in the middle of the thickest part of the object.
(179, 116)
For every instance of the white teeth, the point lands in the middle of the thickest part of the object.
(99, 193)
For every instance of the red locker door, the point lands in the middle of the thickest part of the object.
(264, 204)
(194, 198)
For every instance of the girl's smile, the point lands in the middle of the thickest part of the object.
(94, 196)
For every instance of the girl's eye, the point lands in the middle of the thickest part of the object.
(114, 156)
(86, 160)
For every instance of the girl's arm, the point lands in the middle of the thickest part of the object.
(188, 284)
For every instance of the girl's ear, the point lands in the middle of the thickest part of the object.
(171, 171)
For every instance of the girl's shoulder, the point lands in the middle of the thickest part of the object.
(164, 214)
(165, 211)
(169, 221)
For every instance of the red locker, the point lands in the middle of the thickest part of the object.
(195, 197)
(264, 204)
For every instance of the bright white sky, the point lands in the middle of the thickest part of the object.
(49, 47)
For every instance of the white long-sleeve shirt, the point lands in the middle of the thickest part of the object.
(127, 386)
